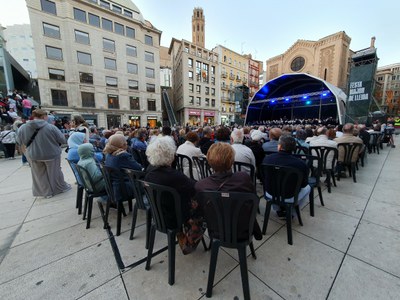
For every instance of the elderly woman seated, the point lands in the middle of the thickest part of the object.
(220, 157)
(74, 141)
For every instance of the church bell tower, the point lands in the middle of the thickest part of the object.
(198, 27)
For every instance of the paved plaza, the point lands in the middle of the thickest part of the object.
(349, 250)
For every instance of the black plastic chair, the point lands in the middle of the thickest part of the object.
(325, 154)
(182, 161)
(140, 156)
(230, 220)
(80, 187)
(375, 141)
(284, 183)
(140, 203)
(108, 174)
(314, 164)
(349, 154)
(91, 192)
(156, 195)
(302, 150)
(202, 167)
(239, 166)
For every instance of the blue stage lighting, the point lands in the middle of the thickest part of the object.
(287, 99)
(305, 97)
(324, 94)
(308, 102)
(272, 101)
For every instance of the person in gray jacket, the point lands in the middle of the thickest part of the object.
(43, 150)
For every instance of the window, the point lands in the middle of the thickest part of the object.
(190, 63)
(212, 92)
(191, 87)
(51, 30)
(108, 45)
(212, 70)
(107, 24)
(198, 89)
(128, 13)
(82, 37)
(59, 97)
(207, 90)
(80, 15)
(213, 102)
(110, 64)
(117, 9)
(132, 68)
(130, 32)
(207, 101)
(150, 87)
(94, 20)
(191, 100)
(151, 105)
(297, 64)
(86, 77)
(88, 99)
(150, 73)
(111, 81)
(148, 40)
(133, 84)
(134, 103)
(48, 6)
(198, 101)
(191, 75)
(113, 101)
(149, 56)
(119, 29)
(105, 4)
(54, 53)
(131, 50)
(84, 58)
(213, 80)
(56, 74)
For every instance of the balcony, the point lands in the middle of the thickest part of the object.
(237, 78)
(224, 74)
(231, 77)
(224, 87)
(244, 79)
(225, 99)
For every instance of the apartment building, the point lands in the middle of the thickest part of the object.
(99, 59)
(388, 88)
(234, 72)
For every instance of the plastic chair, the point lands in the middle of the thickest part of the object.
(314, 164)
(375, 141)
(156, 195)
(91, 192)
(239, 166)
(284, 184)
(183, 161)
(202, 167)
(134, 176)
(80, 187)
(325, 154)
(230, 220)
(349, 153)
(108, 174)
(140, 157)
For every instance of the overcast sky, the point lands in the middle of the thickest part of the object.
(265, 28)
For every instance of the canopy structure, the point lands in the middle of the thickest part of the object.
(296, 96)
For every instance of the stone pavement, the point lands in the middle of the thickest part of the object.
(349, 250)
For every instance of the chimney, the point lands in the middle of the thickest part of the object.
(372, 42)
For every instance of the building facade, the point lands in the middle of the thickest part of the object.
(327, 58)
(19, 43)
(388, 87)
(234, 72)
(99, 59)
(195, 83)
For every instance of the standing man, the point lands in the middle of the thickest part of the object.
(43, 150)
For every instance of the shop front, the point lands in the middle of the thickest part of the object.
(194, 117)
(152, 121)
(209, 117)
(134, 121)
(224, 120)
(113, 121)
(90, 119)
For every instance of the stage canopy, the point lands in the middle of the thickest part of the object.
(296, 96)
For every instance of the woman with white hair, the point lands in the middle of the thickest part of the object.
(161, 154)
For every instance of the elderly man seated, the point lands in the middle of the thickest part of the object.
(348, 137)
(272, 144)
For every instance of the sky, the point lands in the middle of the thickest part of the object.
(265, 28)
